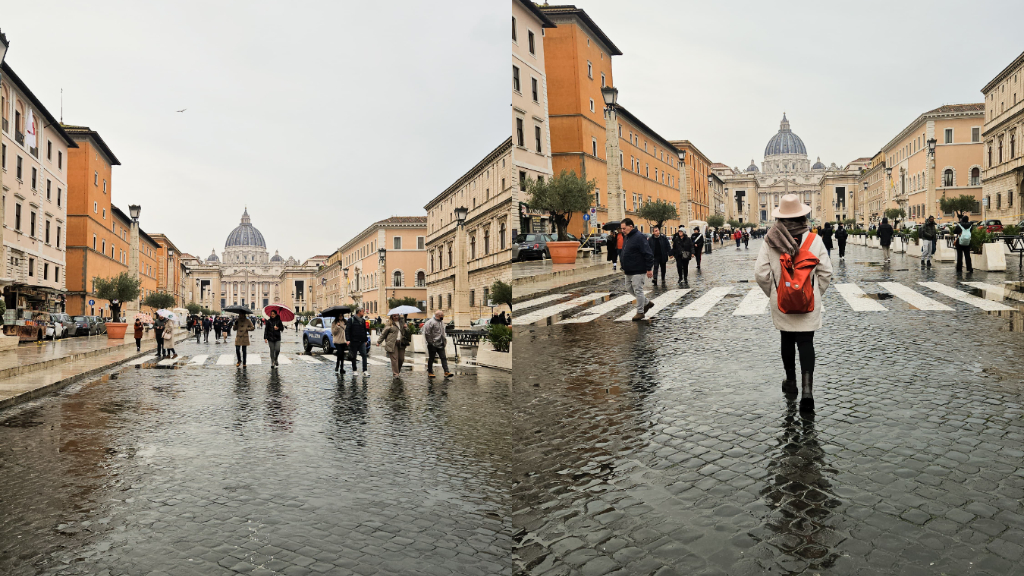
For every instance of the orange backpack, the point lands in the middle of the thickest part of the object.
(795, 291)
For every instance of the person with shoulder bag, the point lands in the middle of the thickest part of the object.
(340, 343)
(395, 338)
(794, 271)
(682, 251)
(242, 328)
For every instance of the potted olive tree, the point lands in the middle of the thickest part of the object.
(562, 196)
(117, 290)
(657, 212)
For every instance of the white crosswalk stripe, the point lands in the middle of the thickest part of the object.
(858, 300)
(593, 313)
(253, 359)
(537, 301)
(753, 304)
(309, 359)
(987, 305)
(282, 359)
(659, 304)
(550, 311)
(997, 293)
(915, 299)
(198, 360)
(169, 361)
(702, 305)
(225, 360)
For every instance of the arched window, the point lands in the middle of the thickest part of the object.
(947, 177)
(975, 176)
(421, 279)
(472, 247)
(397, 278)
(501, 236)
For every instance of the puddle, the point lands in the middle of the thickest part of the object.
(26, 419)
(879, 296)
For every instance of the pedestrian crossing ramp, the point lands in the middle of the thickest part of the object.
(252, 359)
(686, 303)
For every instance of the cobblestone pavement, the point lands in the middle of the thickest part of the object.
(209, 469)
(666, 446)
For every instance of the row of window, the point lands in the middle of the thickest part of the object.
(919, 143)
(34, 176)
(1012, 149)
(443, 213)
(999, 200)
(19, 129)
(472, 299)
(16, 262)
(990, 104)
(484, 246)
(531, 39)
(521, 136)
(32, 225)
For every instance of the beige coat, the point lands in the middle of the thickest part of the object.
(392, 334)
(242, 328)
(168, 334)
(767, 270)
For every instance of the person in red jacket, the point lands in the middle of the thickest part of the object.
(737, 236)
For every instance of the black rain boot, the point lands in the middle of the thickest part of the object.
(807, 400)
(789, 389)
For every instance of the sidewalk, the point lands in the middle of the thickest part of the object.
(530, 278)
(37, 369)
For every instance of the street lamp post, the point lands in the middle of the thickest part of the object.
(134, 210)
(616, 211)
(461, 312)
(344, 285)
(684, 192)
(930, 198)
(382, 286)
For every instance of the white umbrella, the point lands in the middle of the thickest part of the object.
(402, 310)
(164, 313)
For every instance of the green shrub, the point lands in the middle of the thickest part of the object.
(872, 233)
(413, 327)
(1011, 230)
(500, 336)
(979, 236)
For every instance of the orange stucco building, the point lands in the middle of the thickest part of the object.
(578, 62)
(99, 233)
(698, 168)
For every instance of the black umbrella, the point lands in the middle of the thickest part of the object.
(336, 311)
(610, 226)
(238, 310)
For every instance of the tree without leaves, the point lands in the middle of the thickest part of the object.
(657, 212)
(716, 220)
(501, 293)
(561, 196)
(158, 300)
(961, 205)
(121, 288)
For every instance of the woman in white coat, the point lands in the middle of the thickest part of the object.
(797, 330)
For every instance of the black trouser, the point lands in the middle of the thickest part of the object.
(138, 343)
(240, 353)
(339, 354)
(206, 334)
(842, 249)
(963, 253)
(658, 265)
(697, 254)
(790, 342)
(159, 342)
(682, 268)
(198, 333)
(439, 352)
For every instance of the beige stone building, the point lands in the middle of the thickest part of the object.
(871, 190)
(1003, 179)
(359, 274)
(486, 192)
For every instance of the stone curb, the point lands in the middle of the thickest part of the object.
(29, 368)
(65, 382)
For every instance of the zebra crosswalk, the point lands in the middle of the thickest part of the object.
(253, 359)
(925, 296)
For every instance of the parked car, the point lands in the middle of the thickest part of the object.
(67, 325)
(993, 226)
(100, 324)
(530, 247)
(83, 327)
(318, 333)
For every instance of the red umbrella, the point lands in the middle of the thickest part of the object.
(282, 311)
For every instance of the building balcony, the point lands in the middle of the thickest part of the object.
(19, 137)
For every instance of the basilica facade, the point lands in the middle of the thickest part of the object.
(751, 194)
(246, 275)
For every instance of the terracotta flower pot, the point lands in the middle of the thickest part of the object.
(116, 330)
(563, 252)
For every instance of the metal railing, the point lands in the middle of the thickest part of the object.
(19, 137)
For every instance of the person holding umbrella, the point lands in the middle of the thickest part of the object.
(272, 335)
(340, 344)
(395, 338)
(168, 337)
(358, 336)
(242, 328)
(158, 333)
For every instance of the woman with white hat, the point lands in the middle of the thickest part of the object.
(791, 252)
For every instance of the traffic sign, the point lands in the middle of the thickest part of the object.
(92, 302)
(586, 217)
(593, 210)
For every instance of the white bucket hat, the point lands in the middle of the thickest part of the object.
(791, 207)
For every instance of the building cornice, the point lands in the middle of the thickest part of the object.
(933, 115)
(51, 122)
(569, 13)
(533, 9)
(1002, 75)
(491, 157)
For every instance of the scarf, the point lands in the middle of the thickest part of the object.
(782, 235)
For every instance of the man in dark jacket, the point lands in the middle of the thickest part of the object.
(963, 251)
(698, 245)
(660, 249)
(358, 338)
(885, 233)
(841, 235)
(682, 251)
(637, 261)
(158, 333)
(927, 235)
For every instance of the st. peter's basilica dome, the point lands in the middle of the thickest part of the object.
(245, 234)
(785, 141)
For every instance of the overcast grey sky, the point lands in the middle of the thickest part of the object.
(321, 116)
(849, 75)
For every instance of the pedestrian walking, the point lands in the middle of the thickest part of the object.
(358, 337)
(242, 328)
(227, 325)
(962, 236)
(746, 240)
(661, 250)
(637, 261)
(395, 337)
(841, 235)
(884, 234)
(169, 333)
(207, 326)
(197, 328)
(698, 245)
(826, 238)
(794, 270)
(139, 328)
(217, 325)
(437, 340)
(272, 330)
(928, 234)
(340, 343)
(738, 237)
(158, 333)
(614, 247)
(682, 251)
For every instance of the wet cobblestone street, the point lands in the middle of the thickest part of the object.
(666, 446)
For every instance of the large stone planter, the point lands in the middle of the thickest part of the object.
(991, 259)
(563, 252)
(419, 343)
(944, 253)
(487, 356)
(116, 330)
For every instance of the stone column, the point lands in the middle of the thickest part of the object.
(611, 147)
(132, 308)
(382, 291)
(461, 303)
(684, 192)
